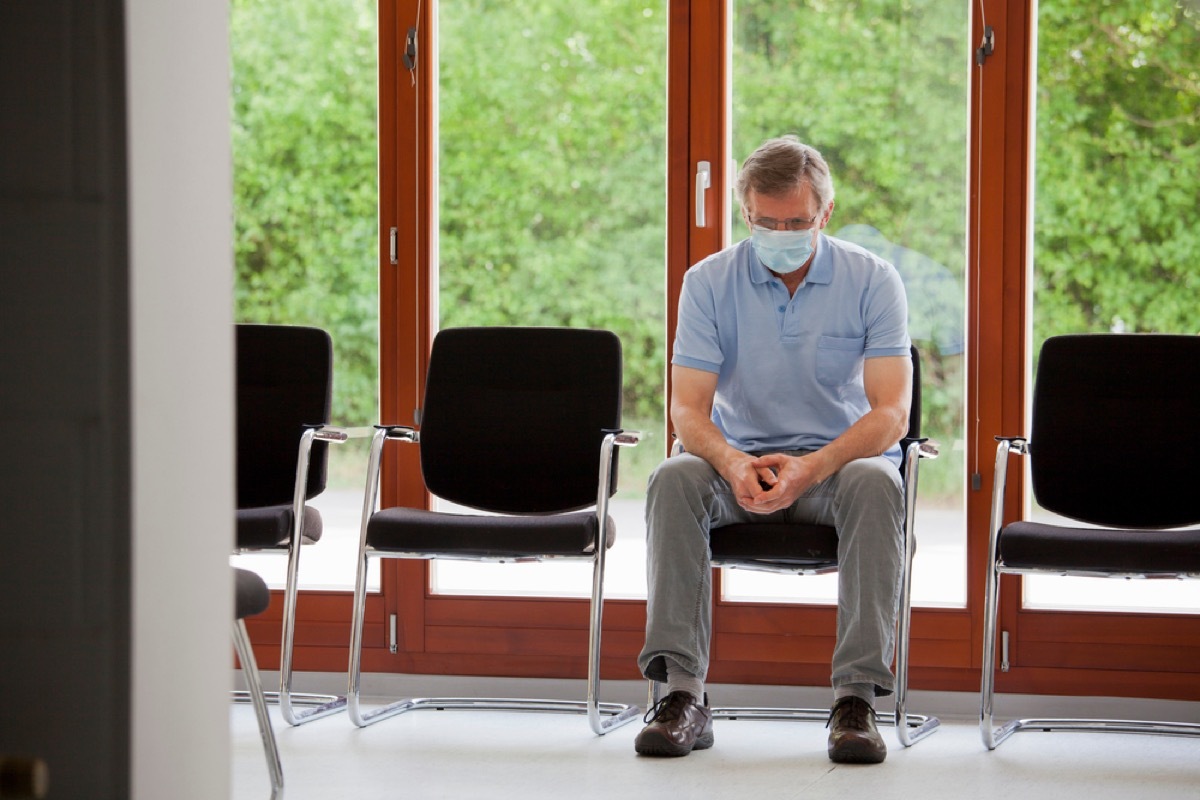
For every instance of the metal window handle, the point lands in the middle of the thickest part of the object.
(703, 182)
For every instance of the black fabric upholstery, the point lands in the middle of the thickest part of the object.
(914, 407)
(512, 425)
(270, 527)
(514, 417)
(250, 594)
(1115, 436)
(284, 382)
(411, 530)
(784, 546)
(1033, 545)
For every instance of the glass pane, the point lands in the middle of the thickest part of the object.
(551, 211)
(305, 210)
(1116, 225)
(881, 89)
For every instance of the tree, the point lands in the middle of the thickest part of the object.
(551, 174)
(1117, 206)
(305, 196)
(552, 162)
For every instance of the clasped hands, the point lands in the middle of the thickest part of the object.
(771, 482)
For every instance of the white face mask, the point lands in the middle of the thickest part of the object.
(782, 251)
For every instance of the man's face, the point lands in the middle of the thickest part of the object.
(796, 211)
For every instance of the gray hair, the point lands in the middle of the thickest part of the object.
(782, 165)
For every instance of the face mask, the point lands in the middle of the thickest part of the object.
(782, 251)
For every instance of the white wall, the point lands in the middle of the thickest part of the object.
(177, 56)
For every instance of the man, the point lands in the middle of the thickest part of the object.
(791, 387)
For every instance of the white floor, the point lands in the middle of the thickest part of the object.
(496, 755)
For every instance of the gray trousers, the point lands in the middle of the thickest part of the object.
(687, 498)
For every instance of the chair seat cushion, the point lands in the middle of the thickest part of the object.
(270, 527)
(250, 593)
(435, 533)
(1035, 545)
(773, 544)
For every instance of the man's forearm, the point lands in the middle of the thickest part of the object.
(702, 438)
(871, 435)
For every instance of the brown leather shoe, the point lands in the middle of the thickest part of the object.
(853, 737)
(678, 725)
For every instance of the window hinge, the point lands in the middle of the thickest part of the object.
(392, 633)
(987, 46)
(1004, 651)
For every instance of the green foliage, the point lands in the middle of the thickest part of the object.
(551, 167)
(305, 197)
(552, 174)
(1117, 210)
(880, 88)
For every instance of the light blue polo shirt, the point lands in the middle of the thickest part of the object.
(790, 370)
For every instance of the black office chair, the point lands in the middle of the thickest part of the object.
(252, 597)
(1113, 446)
(806, 549)
(284, 392)
(536, 412)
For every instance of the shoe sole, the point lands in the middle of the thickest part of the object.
(857, 755)
(654, 745)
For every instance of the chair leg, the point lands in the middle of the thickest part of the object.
(993, 736)
(910, 729)
(602, 717)
(317, 706)
(241, 641)
(354, 685)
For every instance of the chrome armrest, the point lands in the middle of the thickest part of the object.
(403, 433)
(339, 434)
(1014, 444)
(626, 438)
(1007, 445)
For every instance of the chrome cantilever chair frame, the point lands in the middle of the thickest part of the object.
(993, 735)
(257, 697)
(298, 708)
(916, 726)
(602, 717)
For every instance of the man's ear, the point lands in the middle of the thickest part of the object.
(828, 214)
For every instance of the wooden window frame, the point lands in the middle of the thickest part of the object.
(1051, 652)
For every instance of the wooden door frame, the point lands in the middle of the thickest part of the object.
(1051, 651)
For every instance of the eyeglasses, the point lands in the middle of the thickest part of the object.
(793, 224)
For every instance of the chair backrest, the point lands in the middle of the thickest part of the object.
(1115, 434)
(914, 409)
(284, 382)
(514, 417)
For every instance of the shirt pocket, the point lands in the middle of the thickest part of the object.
(839, 359)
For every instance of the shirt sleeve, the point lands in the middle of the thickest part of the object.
(887, 315)
(697, 341)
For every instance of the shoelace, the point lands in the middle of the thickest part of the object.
(857, 713)
(668, 708)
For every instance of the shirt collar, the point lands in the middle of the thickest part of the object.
(821, 270)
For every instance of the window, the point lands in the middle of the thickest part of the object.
(305, 207)
(893, 127)
(551, 190)
(1115, 220)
